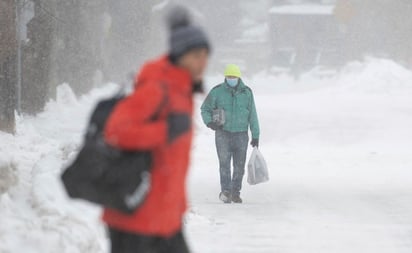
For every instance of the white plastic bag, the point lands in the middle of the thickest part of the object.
(257, 168)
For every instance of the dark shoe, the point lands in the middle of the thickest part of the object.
(236, 199)
(225, 197)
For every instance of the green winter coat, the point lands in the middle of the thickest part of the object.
(238, 104)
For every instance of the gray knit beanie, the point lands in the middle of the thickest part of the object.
(184, 36)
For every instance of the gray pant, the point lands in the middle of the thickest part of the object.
(228, 146)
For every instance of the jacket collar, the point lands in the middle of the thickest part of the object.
(163, 70)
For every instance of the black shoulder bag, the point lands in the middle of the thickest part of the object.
(105, 175)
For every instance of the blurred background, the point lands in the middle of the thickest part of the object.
(44, 43)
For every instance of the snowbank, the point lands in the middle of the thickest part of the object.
(370, 77)
(376, 76)
(36, 215)
(8, 175)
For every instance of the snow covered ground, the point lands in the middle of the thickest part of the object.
(338, 148)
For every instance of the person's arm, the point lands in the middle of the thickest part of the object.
(207, 107)
(253, 119)
(131, 125)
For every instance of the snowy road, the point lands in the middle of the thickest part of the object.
(302, 217)
(309, 221)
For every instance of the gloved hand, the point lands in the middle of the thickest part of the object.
(255, 143)
(212, 125)
(198, 87)
(178, 124)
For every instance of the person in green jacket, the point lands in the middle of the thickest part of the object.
(229, 109)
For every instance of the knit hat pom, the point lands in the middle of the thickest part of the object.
(178, 17)
(183, 36)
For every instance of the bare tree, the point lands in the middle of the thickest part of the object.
(8, 58)
(36, 61)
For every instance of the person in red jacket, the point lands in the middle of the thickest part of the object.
(164, 86)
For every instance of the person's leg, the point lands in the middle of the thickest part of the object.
(115, 241)
(222, 139)
(125, 242)
(239, 147)
(175, 244)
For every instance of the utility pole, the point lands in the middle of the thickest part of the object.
(19, 55)
(8, 65)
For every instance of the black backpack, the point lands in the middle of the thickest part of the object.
(105, 175)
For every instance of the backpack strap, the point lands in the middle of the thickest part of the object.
(163, 103)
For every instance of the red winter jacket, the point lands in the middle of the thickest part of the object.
(129, 127)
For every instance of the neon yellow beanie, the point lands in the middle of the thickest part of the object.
(232, 70)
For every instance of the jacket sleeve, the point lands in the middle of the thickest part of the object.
(253, 118)
(131, 127)
(207, 107)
